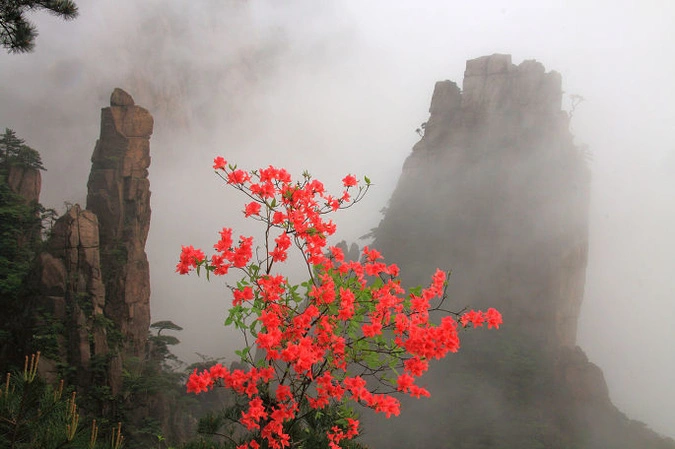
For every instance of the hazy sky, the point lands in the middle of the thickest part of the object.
(339, 87)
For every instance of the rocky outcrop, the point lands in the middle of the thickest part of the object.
(72, 293)
(25, 181)
(497, 192)
(119, 194)
(91, 300)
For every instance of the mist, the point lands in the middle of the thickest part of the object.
(340, 88)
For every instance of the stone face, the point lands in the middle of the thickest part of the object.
(133, 121)
(120, 98)
(119, 194)
(497, 192)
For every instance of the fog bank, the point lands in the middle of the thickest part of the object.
(340, 88)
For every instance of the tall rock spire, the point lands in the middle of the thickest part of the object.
(497, 192)
(502, 192)
(119, 195)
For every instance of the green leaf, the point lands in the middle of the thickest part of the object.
(261, 363)
(230, 318)
(417, 291)
(243, 354)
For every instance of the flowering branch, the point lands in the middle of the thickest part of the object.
(353, 320)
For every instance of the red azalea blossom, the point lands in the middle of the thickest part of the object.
(238, 177)
(264, 190)
(243, 254)
(278, 218)
(255, 413)
(493, 318)
(252, 208)
(284, 393)
(245, 294)
(219, 163)
(476, 318)
(189, 258)
(283, 242)
(349, 181)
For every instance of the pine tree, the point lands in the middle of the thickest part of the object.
(17, 34)
(14, 151)
(36, 415)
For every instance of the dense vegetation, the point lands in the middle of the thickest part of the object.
(21, 226)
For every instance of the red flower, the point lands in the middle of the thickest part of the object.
(416, 366)
(278, 218)
(404, 382)
(346, 304)
(252, 208)
(418, 392)
(238, 177)
(283, 243)
(256, 412)
(225, 242)
(284, 393)
(219, 163)
(189, 258)
(245, 294)
(268, 174)
(371, 254)
(199, 382)
(243, 254)
(264, 190)
(349, 181)
(494, 318)
(475, 318)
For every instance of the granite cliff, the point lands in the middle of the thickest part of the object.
(71, 293)
(497, 191)
(25, 181)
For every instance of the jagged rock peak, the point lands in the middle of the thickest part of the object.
(120, 97)
(493, 82)
(501, 105)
